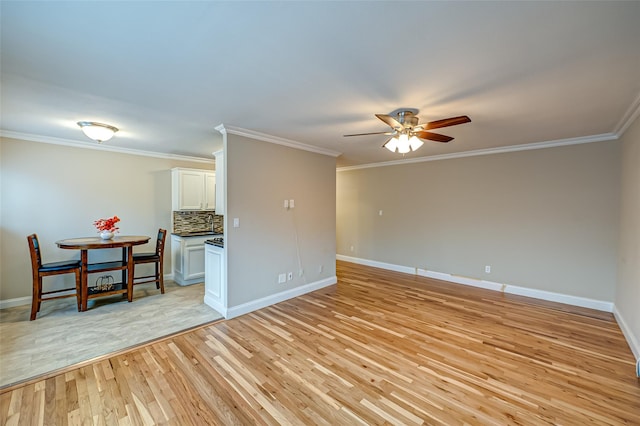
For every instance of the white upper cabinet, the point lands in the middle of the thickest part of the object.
(210, 191)
(193, 189)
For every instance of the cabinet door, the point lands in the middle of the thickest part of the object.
(210, 191)
(215, 286)
(193, 262)
(190, 190)
(213, 274)
(176, 254)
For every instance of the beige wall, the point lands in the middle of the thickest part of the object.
(628, 289)
(58, 191)
(272, 240)
(544, 219)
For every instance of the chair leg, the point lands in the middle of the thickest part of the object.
(78, 291)
(161, 277)
(157, 275)
(35, 301)
(39, 293)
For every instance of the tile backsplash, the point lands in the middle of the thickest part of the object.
(197, 221)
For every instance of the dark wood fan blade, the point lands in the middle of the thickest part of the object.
(453, 121)
(374, 133)
(392, 122)
(433, 136)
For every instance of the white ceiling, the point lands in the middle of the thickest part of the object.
(166, 73)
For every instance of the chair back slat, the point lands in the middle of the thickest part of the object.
(162, 235)
(34, 251)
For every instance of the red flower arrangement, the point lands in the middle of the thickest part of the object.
(108, 225)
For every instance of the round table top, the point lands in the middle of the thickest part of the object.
(99, 243)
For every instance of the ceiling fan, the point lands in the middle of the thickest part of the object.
(406, 133)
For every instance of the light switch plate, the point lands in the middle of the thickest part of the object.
(236, 222)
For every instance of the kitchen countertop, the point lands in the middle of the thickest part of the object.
(195, 234)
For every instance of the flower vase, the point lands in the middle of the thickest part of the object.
(106, 235)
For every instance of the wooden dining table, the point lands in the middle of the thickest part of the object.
(125, 265)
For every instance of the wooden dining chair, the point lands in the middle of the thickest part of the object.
(157, 257)
(40, 270)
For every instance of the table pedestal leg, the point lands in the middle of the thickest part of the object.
(124, 273)
(130, 273)
(84, 260)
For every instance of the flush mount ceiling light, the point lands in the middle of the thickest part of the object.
(97, 131)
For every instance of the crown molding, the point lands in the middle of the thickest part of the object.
(631, 114)
(489, 151)
(274, 139)
(629, 117)
(99, 147)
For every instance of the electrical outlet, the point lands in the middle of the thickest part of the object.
(320, 269)
(301, 272)
(290, 276)
(286, 204)
(282, 278)
(351, 248)
(487, 269)
(379, 212)
(292, 203)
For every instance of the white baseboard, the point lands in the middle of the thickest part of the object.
(458, 279)
(18, 301)
(626, 331)
(489, 285)
(583, 302)
(253, 305)
(215, 304)
(376, 264)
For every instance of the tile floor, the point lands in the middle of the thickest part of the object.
(62, 336)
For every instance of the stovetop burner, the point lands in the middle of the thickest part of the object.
(218, 241)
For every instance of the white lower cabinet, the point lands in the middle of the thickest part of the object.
(187, 259)
(215, 285)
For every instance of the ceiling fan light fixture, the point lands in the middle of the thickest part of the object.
(415, 143)
(392, 144)
(97, 131)
(403, 144)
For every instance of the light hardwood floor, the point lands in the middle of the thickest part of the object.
(378, 348)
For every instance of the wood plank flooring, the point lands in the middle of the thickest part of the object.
(378, 348)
